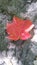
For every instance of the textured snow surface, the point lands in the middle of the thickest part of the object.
(27, 54)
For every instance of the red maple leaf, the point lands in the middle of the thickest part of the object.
(19, 29)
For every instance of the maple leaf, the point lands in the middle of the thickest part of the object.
(19, 29)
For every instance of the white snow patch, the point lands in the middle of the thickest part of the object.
(34, 39)
(32, 7)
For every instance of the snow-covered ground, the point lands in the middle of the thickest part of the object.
(11, 57)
